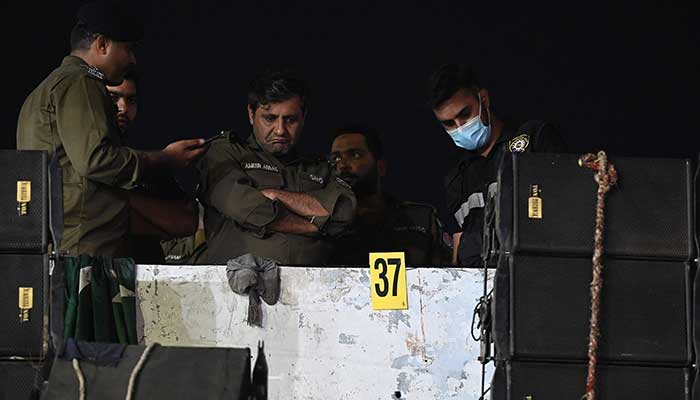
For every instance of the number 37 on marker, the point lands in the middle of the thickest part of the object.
(387, 273)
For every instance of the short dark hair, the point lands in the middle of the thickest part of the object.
(447, 80)
(132, 75)
(373, 138)
(276, 86)
(81, 38)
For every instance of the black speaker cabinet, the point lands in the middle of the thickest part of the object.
(24, 200)
(546, 204)
(21, 380)
(556, 381)
(168, 373)
(23, 306)
(542, 310)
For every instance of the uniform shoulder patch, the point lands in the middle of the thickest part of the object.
(94, 72)
(519, 143)
(342, 183)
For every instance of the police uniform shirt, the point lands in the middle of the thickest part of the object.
(412, 228)
(470, 183)
(71, 114)
(237, 215)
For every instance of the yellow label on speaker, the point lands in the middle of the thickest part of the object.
(534, 207)
(26, 298)
(534, 203)
(24, 191)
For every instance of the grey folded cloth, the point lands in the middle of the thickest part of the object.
(257, 277)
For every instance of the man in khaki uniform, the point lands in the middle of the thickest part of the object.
(260, 196)
(70, 115)
(383, 223)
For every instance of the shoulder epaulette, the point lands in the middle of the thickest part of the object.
(94, 72)
(232, 136)
(343, 183)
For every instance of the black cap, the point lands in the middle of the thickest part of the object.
(112, 19)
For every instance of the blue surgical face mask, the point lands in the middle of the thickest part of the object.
(473, 134)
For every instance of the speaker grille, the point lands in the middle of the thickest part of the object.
(649, 214)
(23, 332)
(19, 380)
(644, 313)
(557, 381)
(26, 233)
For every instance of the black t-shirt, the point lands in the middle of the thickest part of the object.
(469, 183)
(404, 226)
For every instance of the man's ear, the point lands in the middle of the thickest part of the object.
(251, 115)
(381, 168)
(101, 44)
(485, 99)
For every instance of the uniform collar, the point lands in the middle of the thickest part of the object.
(92, 71)
(73, 60)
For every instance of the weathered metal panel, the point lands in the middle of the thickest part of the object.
(323, 340)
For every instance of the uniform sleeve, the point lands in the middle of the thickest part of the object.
(226, 187)
(338, 198)
(90, 136)
(549, 140)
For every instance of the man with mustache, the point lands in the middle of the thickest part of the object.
(260, 195)
(71, 116)
(125, 97)
(383, 223)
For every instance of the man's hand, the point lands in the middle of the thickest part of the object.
(180, 154)
(269, 193)
(455, 247)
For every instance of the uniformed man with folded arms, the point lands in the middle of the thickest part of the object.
(71, 115)
(260, 195)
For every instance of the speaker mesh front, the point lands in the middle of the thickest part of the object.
(649, 213)
(27, 232)
(644, 315)
(557, 381)
(18, 379)
(22, 331)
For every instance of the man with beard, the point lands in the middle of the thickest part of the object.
(261, 196)
(71, 116)
(383, 223)
(160, 209)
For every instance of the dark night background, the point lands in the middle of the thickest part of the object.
(619, 78)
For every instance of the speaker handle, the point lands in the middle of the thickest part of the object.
(55, 202)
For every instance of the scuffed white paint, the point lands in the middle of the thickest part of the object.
(322, 339)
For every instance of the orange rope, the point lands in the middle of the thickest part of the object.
(606, 178)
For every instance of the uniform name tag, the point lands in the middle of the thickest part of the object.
(534, 203)
(415, 228)
(387, 279)
(257, 165)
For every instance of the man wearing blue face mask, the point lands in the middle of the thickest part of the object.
(463, 108)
